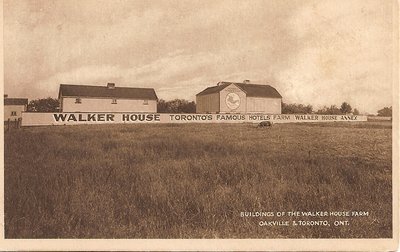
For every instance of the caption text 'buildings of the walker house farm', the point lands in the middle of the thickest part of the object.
(83, 98)
(13, 108)
(230, 97)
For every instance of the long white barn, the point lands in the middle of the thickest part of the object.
(85, 98)
(231, 97)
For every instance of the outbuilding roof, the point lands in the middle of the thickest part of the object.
(251, 90)
(68, 90)
(15, 101)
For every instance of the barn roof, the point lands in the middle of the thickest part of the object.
(15, 101)
(105, 92)
(251, 90)
(213, 89)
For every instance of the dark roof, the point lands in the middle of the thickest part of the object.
(105, 92)
(15, 101)
(214, 89)
(251, 90)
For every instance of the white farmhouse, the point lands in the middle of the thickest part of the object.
(84, 98)
(231, 97)
(13, 108)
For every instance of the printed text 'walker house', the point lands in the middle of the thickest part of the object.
(231, 97)
(84, 98)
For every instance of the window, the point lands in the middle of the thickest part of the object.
(114, 101)
(146, 102)
(78, 100)
(13, 113)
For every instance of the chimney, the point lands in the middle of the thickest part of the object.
(110, 85)
(6, 96)
(246, 81)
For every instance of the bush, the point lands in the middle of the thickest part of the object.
(176, 106)
(44, 105)
(332, 110)
(296, 108)
(345, 108)
(386, 111)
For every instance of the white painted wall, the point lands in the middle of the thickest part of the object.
(232, 89)
(37, 119)
(207, 103)
(263, 105)
(105, 105)
(8, 109)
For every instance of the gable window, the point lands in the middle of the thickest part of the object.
(13, 113)
(145, 102)
(78, 100)
(114, 101)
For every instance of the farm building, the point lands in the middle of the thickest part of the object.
(13, 107)
(84, 98)
(230, 97)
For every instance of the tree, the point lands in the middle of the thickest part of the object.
(332, 110)
(356, 112)
(176, 106)
(345, 108)
(189, 107)
(44, 105)
(296, 109)
(386, 111)
(161, 106)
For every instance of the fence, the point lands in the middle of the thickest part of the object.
(12, 124)
(379, 118)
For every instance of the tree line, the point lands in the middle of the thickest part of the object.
(174, 106)
(295, 108)
(345, 108)
(184, 106)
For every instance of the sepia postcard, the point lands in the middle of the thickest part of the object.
(199, 125)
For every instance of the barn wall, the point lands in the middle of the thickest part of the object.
(207, 103)
(105, 105)
(223, 96)
(17, 108)
(263, 105)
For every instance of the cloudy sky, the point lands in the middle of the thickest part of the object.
(314, 52)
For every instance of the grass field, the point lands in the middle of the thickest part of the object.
(193, 180)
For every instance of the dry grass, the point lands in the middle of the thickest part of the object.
(193, 180)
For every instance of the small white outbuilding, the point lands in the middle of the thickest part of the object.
(13, 108)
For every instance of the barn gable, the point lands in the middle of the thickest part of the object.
(232, 99)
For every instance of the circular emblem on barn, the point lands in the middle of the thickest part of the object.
(232, 100)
